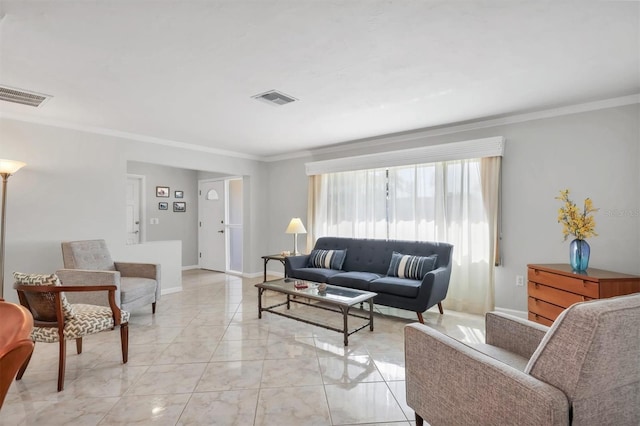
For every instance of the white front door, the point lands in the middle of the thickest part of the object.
(211, 230)
(134, 189)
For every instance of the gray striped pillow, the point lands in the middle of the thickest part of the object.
(411, 267)
(329, 259)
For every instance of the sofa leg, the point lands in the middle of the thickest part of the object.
(440, 308)
(420, 317)
(419, 420)
(153, 308)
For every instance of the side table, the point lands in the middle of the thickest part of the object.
(269, 257)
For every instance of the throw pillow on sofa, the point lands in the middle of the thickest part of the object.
(411, 267)
(328, 259)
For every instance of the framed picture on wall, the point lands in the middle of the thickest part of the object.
(179, 194)
(163, 205)
(179, 206)
(162, 191)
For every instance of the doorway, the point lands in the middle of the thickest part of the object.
(220, 225)
(134, 212)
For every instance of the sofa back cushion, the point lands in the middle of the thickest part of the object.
(369, 255)
(328, 259)
(90, 254)
(411, 267)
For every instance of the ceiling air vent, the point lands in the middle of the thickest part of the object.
(19, 96)
(275, 98)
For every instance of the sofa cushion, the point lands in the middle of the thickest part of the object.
(318, 275)
(132, 288)
(355, 279)
(330, 259)
(412, 267)
(398, 286)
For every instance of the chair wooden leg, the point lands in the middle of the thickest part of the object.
(61, 364)
(420, 317)
(153, 308)
(440, 308)
(25, 364)
(124, 340)
(79, 345)
(419, 420)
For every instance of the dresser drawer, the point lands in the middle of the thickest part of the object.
(554, 296)
(543, 308)
(573, 285)
(539, 319)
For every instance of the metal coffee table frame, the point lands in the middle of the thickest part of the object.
(341, 298)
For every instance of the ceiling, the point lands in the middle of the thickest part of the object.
(184, 71)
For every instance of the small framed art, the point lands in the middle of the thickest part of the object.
(163, 205)
(162, 191)
(179, 194)
(179, 206)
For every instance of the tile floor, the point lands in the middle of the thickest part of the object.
(206, 359)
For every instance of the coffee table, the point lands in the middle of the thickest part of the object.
(333, 298)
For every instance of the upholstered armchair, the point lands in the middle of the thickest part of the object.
(583, 370)
(89, 263)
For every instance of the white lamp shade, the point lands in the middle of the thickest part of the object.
(295, 227)
(10, 166)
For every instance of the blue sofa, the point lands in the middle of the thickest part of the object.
(365, 265)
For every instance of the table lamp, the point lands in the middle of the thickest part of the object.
(295, 227)
(7, 168)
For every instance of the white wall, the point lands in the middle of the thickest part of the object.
(73, 188)
(595, 154)
(171, 225)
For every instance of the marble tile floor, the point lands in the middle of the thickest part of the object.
(206, 359)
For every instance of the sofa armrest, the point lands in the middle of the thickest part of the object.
(435, 285)
(85, 277)
(295, 262)
(513, 334)
(448, 382)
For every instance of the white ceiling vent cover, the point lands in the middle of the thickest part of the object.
(19, 96)
(274, 97)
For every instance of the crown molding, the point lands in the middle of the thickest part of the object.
(127, 135)
(458, 128)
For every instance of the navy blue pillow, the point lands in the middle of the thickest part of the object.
(412, 267)
(328, 259)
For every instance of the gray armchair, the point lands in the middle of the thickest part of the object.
(89, 263)
(583, 370)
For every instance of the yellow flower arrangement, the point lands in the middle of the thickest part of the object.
(580, 224)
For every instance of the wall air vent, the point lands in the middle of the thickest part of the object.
(19, 96)
(274, 97)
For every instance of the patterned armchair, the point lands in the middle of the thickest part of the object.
(583, 370)
(56, 320)
(89, 263)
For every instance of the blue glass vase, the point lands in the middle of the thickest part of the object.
(579, 252)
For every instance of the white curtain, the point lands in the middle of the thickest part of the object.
(453, 201)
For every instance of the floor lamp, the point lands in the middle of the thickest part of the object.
(7, 168)
(295, 227)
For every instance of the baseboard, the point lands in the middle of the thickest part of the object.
(187, 268)
(515, 313)
(171, 290)
(252, 275)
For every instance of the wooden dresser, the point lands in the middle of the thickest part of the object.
(554, 287)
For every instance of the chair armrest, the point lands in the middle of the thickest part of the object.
(513, 334)
(448, 382)
(85, 277)
(139, 270)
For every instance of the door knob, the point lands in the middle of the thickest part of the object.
(221, 231)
